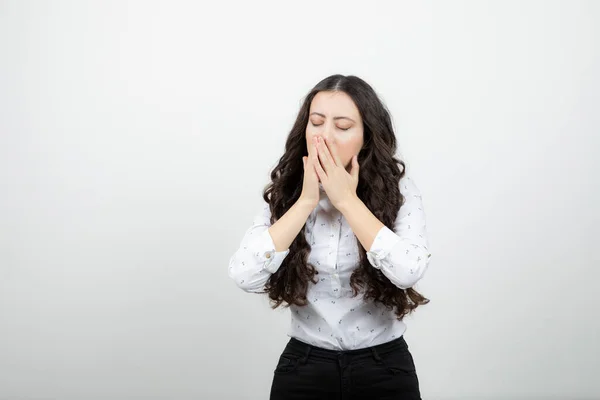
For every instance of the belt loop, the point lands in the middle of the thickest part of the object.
(307, 353)
(375, 354)
(379, 360)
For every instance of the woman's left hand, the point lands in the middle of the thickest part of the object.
(339, 185)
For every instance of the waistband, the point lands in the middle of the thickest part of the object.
(308, 349)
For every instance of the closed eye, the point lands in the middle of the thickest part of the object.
(343, 129)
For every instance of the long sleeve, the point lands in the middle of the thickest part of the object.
(402, 254)
(256, 259)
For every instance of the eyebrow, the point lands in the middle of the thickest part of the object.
(335, 118)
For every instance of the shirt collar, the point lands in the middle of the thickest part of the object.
(324, 201)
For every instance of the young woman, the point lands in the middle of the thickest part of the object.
(341, 240)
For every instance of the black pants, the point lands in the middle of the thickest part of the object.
(386, 371)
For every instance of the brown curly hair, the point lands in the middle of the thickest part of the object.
(378, 188)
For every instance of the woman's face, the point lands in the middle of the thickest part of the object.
(333, 115)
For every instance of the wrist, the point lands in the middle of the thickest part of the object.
(349, 203)
(305, 205)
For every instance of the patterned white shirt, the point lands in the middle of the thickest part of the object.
(333, 319)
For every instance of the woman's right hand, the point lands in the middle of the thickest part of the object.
(310, 186)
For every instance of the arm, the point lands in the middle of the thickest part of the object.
(401, 254)
(265, 246)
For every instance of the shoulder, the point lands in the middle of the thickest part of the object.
(408, 186)
(263, 214)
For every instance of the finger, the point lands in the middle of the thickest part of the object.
(324, 155)
(318, 168)
(314, 156)
(355, 167)
(333, 151)
(316, 159)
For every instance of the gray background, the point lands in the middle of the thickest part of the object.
(136, 137)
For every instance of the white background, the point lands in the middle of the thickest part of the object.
(136, 139)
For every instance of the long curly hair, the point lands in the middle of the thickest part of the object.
(378, 188)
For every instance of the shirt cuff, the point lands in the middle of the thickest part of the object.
(384, 242)
(270, 258)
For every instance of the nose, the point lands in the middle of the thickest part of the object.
(327, 132)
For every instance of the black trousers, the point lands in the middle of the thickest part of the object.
(385, 371)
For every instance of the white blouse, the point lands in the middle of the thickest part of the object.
(333, 319)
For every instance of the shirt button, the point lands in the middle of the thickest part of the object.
(268, 255)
